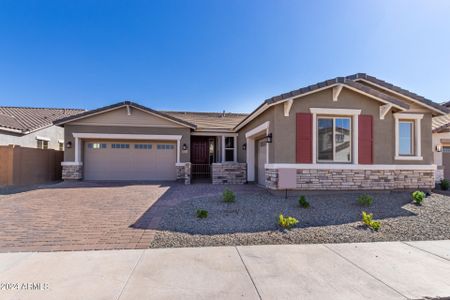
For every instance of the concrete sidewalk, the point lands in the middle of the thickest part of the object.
(392, 270)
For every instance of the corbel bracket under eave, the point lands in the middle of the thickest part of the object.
(287, 107)
(336, 91)
(128, 110)
(384, 109)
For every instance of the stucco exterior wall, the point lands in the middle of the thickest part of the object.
(54, 133)
(268, 115)
(69, 154)
(283, 147)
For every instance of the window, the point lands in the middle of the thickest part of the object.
(41, 144)
(229, 148)
(61, 146)
(165, 147)
(143, 146)
(96, 146)
(406, 137)
(120, 146)
(334, 136)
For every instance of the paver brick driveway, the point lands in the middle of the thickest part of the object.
(89, 215)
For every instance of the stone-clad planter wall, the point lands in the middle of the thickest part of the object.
(229, 173)
(350, 179)
(72, 172)
(184, 172)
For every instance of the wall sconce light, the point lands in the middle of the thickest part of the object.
(184, 147)
(244, 146)
(438, 148)
(269, 138)
(69, 145)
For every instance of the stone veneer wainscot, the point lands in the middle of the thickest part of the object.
(229, 173)
(72, 171)
(357, 179)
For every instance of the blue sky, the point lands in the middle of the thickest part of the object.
(214, 55)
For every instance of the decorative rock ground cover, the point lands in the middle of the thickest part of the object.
(331, 218)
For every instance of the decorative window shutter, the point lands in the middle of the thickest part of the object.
(365, 139)
(304, 138)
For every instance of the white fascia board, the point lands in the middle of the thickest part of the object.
(83, 135)
(408, 116)
(41, 138)
(263, 127)
(349, 167)
(335, 111)
(254, 115)
(401, 95)
(214, 133)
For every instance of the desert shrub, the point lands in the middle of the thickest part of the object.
(201, 213)
(445, 184)
(367, 219)
(418, 197)
(302, 202)
(287, 222)
(228, 196)
(365, 200)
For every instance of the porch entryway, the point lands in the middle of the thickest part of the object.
(203, 154)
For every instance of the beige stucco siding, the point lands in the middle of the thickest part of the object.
(53, 133)
(69, 154)
(268, 115)
(282, 150)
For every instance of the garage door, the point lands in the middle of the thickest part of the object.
(119, 160)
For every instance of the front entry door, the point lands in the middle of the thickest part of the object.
(200, 157)
(262, 158)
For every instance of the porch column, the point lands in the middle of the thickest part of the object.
(178, 150)
(250, 153)
(77, 150)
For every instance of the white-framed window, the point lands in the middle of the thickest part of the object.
(230, 147)
(42, 144)
(408, 136)
(96, 146)
(334, 139)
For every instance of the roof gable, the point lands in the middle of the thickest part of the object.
(119, 114)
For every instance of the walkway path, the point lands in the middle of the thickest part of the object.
(394, 270)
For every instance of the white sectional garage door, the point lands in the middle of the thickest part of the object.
(120, 160)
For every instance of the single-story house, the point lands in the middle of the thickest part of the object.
(354, 132)
(33, 127)
(441, 144)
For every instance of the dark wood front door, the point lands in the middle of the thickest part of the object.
(200, 157)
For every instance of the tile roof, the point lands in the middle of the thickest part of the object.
(210, 120)
(399, 90)
(26, 119)
(87, 113)
(441, 123)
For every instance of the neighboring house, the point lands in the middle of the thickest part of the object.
(33, 127)
(441, 145)
(355, 132)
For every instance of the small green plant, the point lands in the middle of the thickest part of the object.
(228, 196)
(445, 184)
(418, 197)
(287, 222)
(201, 213)
(365, 200)
(367, 219)
(302, 202)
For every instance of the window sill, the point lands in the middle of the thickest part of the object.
(408, 157)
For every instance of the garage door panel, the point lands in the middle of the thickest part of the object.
(129, 161)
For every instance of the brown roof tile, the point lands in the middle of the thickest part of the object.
(209, 120)
(26, 119)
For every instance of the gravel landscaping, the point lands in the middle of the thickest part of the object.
(331, 218)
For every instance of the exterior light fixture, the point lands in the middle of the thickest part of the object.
(185, 147)
(69, 145)
(244, 146)
(438, 148)
(269, 138)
